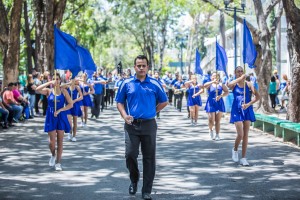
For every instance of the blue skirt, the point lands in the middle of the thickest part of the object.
(56, 123)
(194, 101)
(240, 115)
(214, 106)
(76, 111)
(87, 101)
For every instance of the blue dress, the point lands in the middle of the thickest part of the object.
(87, 101)
(193, 101)
(211, 104)
(61, 121)
(75, 111)
(237, 113)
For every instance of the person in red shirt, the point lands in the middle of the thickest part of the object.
(11, 104)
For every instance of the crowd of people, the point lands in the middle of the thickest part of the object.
(65, 100)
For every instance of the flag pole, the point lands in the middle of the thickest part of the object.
(72, 84)
(55, 91)
(245, 84)
(216, 68)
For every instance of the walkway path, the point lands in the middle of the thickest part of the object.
(189, 164)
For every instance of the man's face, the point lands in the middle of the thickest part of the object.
(141, 68)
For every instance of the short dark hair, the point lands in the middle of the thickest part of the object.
(273, 79)
(141, 57)
(10, 84)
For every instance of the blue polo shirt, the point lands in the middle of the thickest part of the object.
(98, 87)
(178, 84)
(174, 81)
(140, 98)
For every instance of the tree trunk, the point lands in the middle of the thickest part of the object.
(27, 39)
(222, 30)
(48, 12)
(264, 67)
(12, 53)
(293, 15)
(163, 42)
(39, 40)
(59, 10)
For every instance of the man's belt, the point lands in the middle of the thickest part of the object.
(142, 120)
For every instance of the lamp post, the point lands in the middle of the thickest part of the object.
(181, 45)
(235, 10)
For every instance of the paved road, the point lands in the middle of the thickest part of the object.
(189, 164)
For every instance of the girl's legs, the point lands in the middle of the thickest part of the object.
(74, 126)
(240, 134)
(192, 113)
(196, 108)
(70, 122)
(60, 136)
(85, 109)
(52, 140)
(245, 138)
(218, 122)
(211, 120)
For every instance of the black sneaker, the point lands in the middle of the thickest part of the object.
(132, 188)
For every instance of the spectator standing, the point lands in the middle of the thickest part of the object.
(31, 91)
(273, 91)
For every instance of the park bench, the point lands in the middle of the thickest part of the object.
(269, 123)
(291, 131)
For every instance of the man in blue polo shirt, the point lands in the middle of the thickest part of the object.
(98, 83)
(138, 100)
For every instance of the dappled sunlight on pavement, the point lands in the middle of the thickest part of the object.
(189, 164)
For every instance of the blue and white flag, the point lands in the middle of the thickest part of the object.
(221, 59)
(249, 51)
(198, 69)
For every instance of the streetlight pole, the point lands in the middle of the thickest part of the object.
(181, 45)
(181, 55)
(235, 10)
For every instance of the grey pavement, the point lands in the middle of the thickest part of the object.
(189, 164)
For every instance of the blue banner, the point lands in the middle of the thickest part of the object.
(249, 51)
(86, 60)
(65, 52)
(221, 59)
(198, 69)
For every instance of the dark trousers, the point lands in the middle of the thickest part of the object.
(45, 104)
(110, 93)
(178, 99)
(97, 103)
(170, 92)
(273, 102)
(143, 133)
(36, 104)
(102, 102)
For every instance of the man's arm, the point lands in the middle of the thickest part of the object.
(128, 119)
(161, 106)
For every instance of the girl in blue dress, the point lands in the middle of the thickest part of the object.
(194, 99)
(215, 105)
(74, 112)
(242, 113)
(87, 89)
(56, 121)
